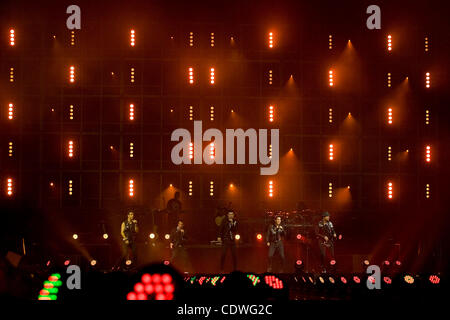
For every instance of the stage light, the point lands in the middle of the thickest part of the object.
(427, 191)
(427, 117)
(299, 236)
(356, 279)
(72, 74)
(72, 38)
(12, 37)
(271, 37)
(191, 113)
(274, 282)
(132, 38)
(390, 116)
(331, 152)
(211, 39)
(93, 263)
(330, 42)
(330, 190)
(9, 187)
(128, 262)
(270, 151)
(131, 188)
(70, 187)
(434, 279)
(211, 113)
(10, 149)
(271, 188)
(331, 78)
(408, 279)
(366, 263)
(427, 48)
(71, 112)
(11, 74)
(387, 280)
(131, 150)
(191, 150)
(389, 153)
(167, 236)
(212, 150)
(389, 80)
(271, 113)
(299, 263)
(259, 236)
(389, 43)
(386, 263)
(428, 154)
(191, 39)
(191, 75)
(152, 236)
(132, 75)
(131, 112)
(332, 262)
(427, 80)
(330, 115)
(75, 236)
(190, 188)
(343, 280)
(211, 188)
(105, 236)
(70, 149)
(270, 77)
(211, 75)
(10, 111)
(67, 262)
(390, 190)
(237, 237)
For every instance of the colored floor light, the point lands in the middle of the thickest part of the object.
(408, 279)
(331, 152)
(191, 75)
(12, 37)
(271, 39)
(428, 154)
(10, 111)
(212, 76)
(132, 38)
(131, 112)
(131, 188)
(389, 43)
(152, 236)
(390, 190)
(330, 78)
(434, 279)
(273, 282)
(427, 80)
(93, 263)
(153, 287)
(75, 236)
(72, 74)
(299, 236)
(390, 116)
(66, 262)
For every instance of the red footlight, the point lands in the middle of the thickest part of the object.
(299, 262)
(434, 279)
(299, 236)
(387, 280)
(333, 262)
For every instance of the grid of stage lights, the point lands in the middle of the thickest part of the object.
(331, 152)
(330, 115)
(10, 149)
(389, 43)
(132, 75)
(271, 113)
(427, 117)
(427, 80)
(131, 112)
(331, 78)
(271, 188)
(330, 190)
(9, 187)
(191, 39)
(131, 188)
(51, 287)
(191, 150)
(390, 189)
(428, 154)
(212, 39)
(271, 39)
(72, 38)
(10, 111)
(72, 74)
(211, 113)
(70, 148)
(132, 38)
(211, 188)
(131, 149)
(191, 75)
(389, 80)
(427, 47)
(330, 42)
(427, 191)
(11, 74)
(153, 287)
(191, 113)
(190, 188)
(390, 116)
(212, 76)
(70, 188)
(389, 153)
(12, 37)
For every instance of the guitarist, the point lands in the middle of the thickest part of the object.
(325, 235)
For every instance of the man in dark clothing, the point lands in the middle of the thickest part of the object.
(275, 235)
(325, 235)
(177, 244)
(173, 210)
(128, 231)
(227, 234)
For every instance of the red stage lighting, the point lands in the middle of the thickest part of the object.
(330, 42)
(271, 42)
(11, 74)
(331, 78)
(271, 189)
(9, 187)
(191, 75)
(434, 279)
(331, 152)
(299, 236)
(10, 111)
(390, 190)
(191, 150)
(132, 38)
(389, 43)
(211, 76)
(70, 149)
(212, 39)
(131, 112)
(271, 113)
(131, 188)
(72, 74)
(12, 37)
(427, 80)
(390, 116)
(428, 154)
(212, 150)
(330, 190)
(387, 280)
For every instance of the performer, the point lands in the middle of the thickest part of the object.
(227, 235)
(177, 244)
(174, 209)
(275, 235)
(129, 230)
(325, 235)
